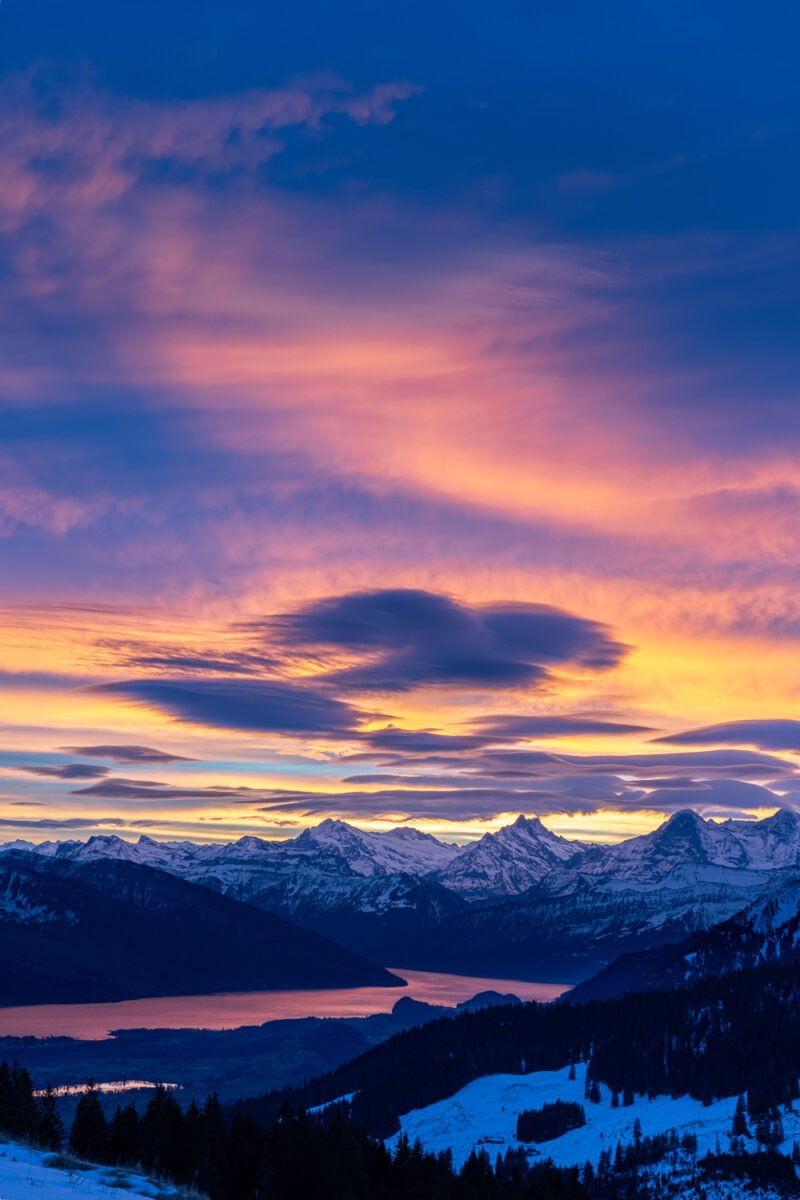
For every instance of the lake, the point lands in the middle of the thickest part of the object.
(228, 1010)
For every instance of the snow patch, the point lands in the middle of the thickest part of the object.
(25, 1172)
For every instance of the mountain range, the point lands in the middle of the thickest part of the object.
(522, 902)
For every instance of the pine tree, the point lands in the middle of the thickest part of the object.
(19, 1112)
(89, 1134)
(51, 1127)
(763, 1130)
(161, 1135)
(123, 1141)
(213, 1161)
(739, 1128)
(193, 1138)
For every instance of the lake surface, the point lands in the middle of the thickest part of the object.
(228, 1010)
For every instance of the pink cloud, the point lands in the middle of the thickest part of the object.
(510, 378)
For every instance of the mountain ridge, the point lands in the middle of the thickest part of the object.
(521, 902)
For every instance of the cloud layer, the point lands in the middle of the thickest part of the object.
(369, 444)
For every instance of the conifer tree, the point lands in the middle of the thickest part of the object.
(123, 1141)
(89, 1134)
(19, 1112)
(740, 1129)
(161, 1135)
(212, 1163)
(51, 1127)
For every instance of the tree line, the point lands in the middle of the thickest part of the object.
(298, 1154)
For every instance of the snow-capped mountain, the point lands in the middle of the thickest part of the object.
(403, 850)
(508, 862)
(688, 875)
(684, 839)
(772, 843)
(331, 877)
(251, 864)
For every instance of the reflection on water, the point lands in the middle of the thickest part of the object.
(228, 1010)
(112, 1087)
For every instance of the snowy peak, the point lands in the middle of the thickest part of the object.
(685, 840)
(107, 846)
(771, 843)
(687, 836)
(755, 845)
(509, 861)
(393, 851)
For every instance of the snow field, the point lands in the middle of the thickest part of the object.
(483, 1116)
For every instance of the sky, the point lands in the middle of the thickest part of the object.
(399, 416)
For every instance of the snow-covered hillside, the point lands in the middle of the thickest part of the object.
(483, 1115)
(25, 1173)
(767, 931)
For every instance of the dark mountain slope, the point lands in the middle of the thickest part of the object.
(386, 918)
(765, 932)
(113, 930)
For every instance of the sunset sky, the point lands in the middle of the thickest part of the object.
(399, 415)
